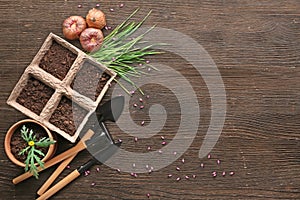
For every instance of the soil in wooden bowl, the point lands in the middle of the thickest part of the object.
(18, 143)
(57, 61)
(90, 81)
(66, 116)
(35, 95)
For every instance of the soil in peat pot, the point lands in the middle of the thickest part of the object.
(58, 60)
(90, 81)
(18, 143)
(35, 95)
(66, 116)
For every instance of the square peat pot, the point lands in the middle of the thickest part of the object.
(61, 87)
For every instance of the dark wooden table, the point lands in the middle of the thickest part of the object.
(256, 48)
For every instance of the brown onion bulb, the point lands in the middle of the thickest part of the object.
(96, 18)
(91, 39)
(73, 26)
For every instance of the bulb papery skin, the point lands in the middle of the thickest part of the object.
(73, 27)
(91, 39)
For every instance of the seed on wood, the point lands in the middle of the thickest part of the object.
(178, 179)
(97, 5)
(209, 156)
(79, 6)
(141, 107)
(170, 175)
(175, 153)
(148, 195)
(160, 151)
(177, 168)
(148, 148)
(202, 165)
(134, 105)
(93, 184)
(218, 162)
(162, 137)
(121, 5)
(142, 123)
(182, 160)
(133, 165)
(223, 173)
(164, 143)
(231, 173)
(141, 100)
(187, 177)
(97, 169)
(214, 174)
(68, 167)
(118, 170)
(111, 10)
(135, 139)
(194, 176)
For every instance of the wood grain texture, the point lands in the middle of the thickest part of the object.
(256, 47)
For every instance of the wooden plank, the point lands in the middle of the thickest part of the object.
(255, 45)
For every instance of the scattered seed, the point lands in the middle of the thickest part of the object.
(175, 153)
(120, 141)
(223, 173)
(164, 143)
(182, 160)
(148, 195)
(132, 92)
(147, 96)
(111, 10)
(160, 151)
(202, 165)
(133, 164)
(118, 170)
(149, 171)
(162, 137)
(178, 179)
(141, 64)
(218, 162)
(141, 100)
(134, 105)
(106, 28)
(214, 174)
(93, 184)
(109, 27)
(187, 177)
(231, 173)
(147, 166)
(121, 5)
(141, 107)
(148, 148)
(97, 5)
(142, 123)
(209, 156)
(98, 169)
(79, 6)
(194, 176)
(149, 69)
(152, 168)
(177, 168)
(170, 175)
(135, 139)
(113, 58)
(68, 167)
(147, 61)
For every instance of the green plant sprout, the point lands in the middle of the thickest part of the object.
(33, 159)
(120, 53)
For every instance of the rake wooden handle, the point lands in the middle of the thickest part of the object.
(59, 169)
(68, 179)
(74, 150)
(55, 174)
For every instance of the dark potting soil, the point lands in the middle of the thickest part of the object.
(18, 143)
(90, 81)
(57, 61)
(66, 116)
(35, 95)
